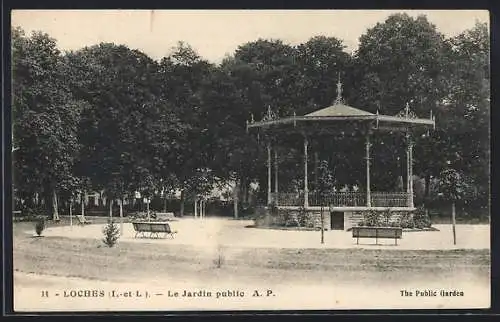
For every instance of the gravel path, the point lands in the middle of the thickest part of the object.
(214, 232)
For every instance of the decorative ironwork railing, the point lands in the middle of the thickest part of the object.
(342, 199)
(339, 199)
(346, 199)
(390, 199)
(288, 198)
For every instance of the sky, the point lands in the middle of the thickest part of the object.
(217, 33)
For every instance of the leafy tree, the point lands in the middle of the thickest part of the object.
(469, 106)
(45, 117)
(181, 76)
(323, 62)
(453, 186)
(267, 75)
(400, 61)
(130, 132)
(226, 109)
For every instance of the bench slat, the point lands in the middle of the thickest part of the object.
(154, 228)
(381, 232)
(377, 232)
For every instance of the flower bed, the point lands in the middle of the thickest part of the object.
(418, 219)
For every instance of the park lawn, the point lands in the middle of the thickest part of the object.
(90, 259)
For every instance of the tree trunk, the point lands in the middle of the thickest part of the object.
(236, 192)
(83, 204)
(121, 216)
(453, 222)
(195, 207)
(147, 209)
(427, 192)
(245, 192)
(47, 201)
(165, 203)
(182, 204)
(36, 201)
(55, 210)
(29, 202)
(322, 225)
(110, 209)
(70, 212)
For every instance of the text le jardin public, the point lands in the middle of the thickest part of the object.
(170, 293)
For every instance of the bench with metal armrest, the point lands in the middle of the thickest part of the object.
(149, 229)
(377, 232)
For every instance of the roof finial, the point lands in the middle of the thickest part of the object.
(270, 115)
(339, 99)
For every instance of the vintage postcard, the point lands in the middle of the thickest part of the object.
(193, 160)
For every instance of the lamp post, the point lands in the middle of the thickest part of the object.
(120, 194)
(71, 211)
(121, 208)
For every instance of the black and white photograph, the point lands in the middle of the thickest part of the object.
(250, 160)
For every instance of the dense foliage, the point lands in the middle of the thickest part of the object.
(419, 219)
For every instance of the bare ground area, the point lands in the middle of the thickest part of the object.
(161, 264)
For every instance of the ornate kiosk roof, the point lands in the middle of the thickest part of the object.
(338, 110)
(338, 114)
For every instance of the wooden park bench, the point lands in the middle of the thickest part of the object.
(82, 220)
(153, 229)
(16, 215)
(377, 232)
(165, 216)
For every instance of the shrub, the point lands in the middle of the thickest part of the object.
(290, 218)
(220, 259)
(40, 225)
(111, 234)
(394, 224)
(302, 217)
(247, 210)
(406, 220)
(371, 219)
(273, 209)
(386, 215)
(141, 216)
(421, 218)
(35, 211)
(260, 212)
(31, 213)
